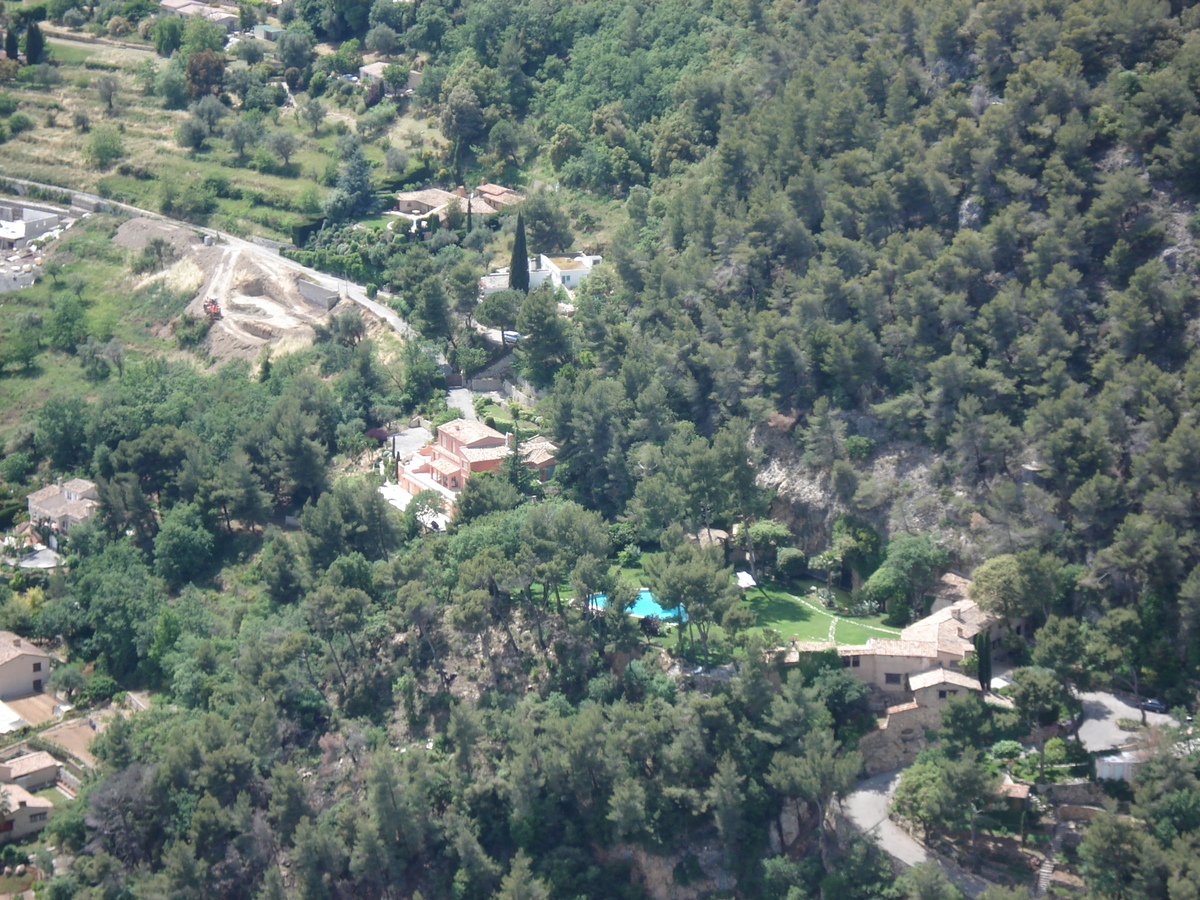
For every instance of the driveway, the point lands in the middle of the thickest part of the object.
(407, 442)
(464, 401)
(1100, 713)
(867, 807)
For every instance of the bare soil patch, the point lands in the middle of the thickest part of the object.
(74, 736)
(261, 304)
(34, 709)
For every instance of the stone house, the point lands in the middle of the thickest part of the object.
(63, 505)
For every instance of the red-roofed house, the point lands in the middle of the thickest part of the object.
(464, 448)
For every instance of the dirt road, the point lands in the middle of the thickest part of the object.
(263, 256)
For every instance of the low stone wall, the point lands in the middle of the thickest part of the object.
(1072, 793)
(897, 744)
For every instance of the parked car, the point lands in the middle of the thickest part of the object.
(1154, 706)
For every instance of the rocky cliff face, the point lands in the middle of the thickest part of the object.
(893, 491)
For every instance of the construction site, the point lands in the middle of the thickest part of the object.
(251, 297)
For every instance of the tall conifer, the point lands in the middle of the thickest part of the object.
(518, 270)
(34, 44)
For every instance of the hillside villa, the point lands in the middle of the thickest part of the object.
(486, 200)
(63, 505)
(918, 672)
(464, 448)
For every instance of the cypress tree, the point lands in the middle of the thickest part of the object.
(11, 45)
(518, 269)
(983, 652)
(34, 44)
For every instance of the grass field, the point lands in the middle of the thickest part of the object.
(68, 54)
(115, 307)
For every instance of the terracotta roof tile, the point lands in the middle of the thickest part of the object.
(932, 677)
(20, 766)
(12, 646)
(470, 432)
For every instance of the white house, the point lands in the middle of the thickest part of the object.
(19, 225)
(567, 271)
(562, 271)
(24, 668)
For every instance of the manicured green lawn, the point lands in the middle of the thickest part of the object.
(53, 795)
(800, 617)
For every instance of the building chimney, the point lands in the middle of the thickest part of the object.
(956, 613)
(461, 191)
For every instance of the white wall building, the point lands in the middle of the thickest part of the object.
(19, 225)
(24, 668)
(563, 271)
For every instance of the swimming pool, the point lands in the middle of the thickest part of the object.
(646, 605)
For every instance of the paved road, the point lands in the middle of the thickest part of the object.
(1100, 713)
(867, 807)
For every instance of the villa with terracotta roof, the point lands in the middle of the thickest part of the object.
(497, 195)
(429, 202)
(917, 673)
(938, 642)
(24, 668)
(32, 771)
(464, 448)
(26, 813)
(64, 505)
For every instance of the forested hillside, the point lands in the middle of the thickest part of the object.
(834, 233)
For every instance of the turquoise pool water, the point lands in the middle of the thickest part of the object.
(646, 605)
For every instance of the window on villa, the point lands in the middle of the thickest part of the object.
(941, 695)
(38, 817)
(845, 662)
(854, 661)
(6, 826)
(891, 678)
(37, 667)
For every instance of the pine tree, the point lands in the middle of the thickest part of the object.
(518, 270)
(34, 44)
